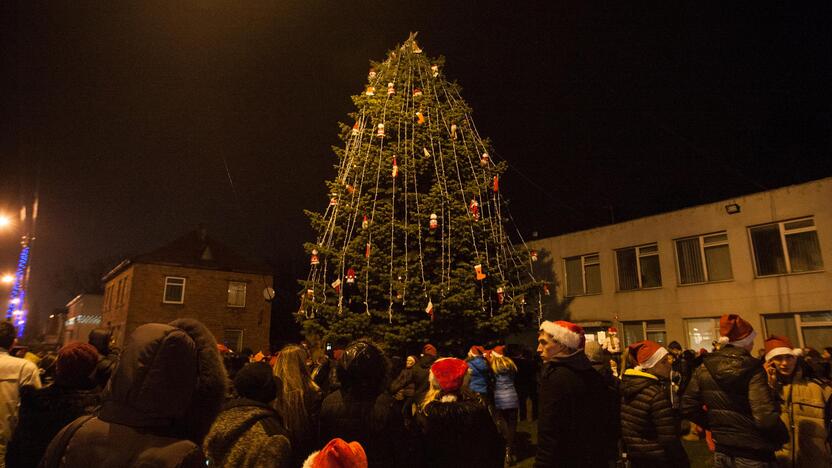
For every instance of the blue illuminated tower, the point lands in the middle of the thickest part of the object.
(18, 309)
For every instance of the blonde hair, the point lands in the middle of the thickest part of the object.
(296, 387)
(502, 364)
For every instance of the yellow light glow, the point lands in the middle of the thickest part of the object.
(7, 279)
(5, 221)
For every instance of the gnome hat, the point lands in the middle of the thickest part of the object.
(780, 345)
(647, 353)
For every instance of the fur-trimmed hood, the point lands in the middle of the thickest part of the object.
(170, 378)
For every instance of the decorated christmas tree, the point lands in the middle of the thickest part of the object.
(413, 245)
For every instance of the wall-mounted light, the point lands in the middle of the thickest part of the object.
(733, 208)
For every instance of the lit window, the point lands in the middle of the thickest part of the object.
(174, 290)
(638, 267)
(583, 275)
(703, 259)
(786, 247)
(702, 332)
(236, 294)
(806, 329)
(644, 330)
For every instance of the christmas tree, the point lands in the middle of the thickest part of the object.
(413, 245)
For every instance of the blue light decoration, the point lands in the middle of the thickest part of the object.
(16, 311)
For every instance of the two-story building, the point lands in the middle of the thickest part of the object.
(83, 316)
(670, 276)
(194, 276)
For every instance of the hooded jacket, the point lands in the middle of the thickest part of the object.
(480, 375)
(161, 401)
(803, 402)
(248, 434)
(578, 419)
(108, 358)
(650, 428)
(741, 410)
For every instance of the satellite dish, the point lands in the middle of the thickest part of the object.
(268, 293)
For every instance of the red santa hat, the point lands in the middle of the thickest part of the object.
(448, 373)
(735, 331)
(780, 345)
(647, 353)
(498, 351)
(475, 351)
(338, 454)
(565, 333)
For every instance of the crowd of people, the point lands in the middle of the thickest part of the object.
(173, 397)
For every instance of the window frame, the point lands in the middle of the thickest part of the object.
(702, 259)
(239, 339)
(798, 323)
(245, 294)
(638, 256)
(644, 324)
(686, 321)
(781, 227)
(165, 290)
(584, 264)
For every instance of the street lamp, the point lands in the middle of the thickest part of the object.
(5, 221)
(7, 278)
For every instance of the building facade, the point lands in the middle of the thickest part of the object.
(83, 316)
(669, 277)
(192, 277)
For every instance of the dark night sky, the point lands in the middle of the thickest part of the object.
(130, 107)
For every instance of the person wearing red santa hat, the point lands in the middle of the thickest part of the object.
(577, 422)
(802, 402)
(742, 413)
(338, 454)
(649, 425)
(479, 370)
(454, 424)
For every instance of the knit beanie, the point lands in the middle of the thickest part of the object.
(256, 382)
(76, 363)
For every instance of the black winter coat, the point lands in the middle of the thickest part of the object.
(578, 419)
(458, 434)
(741, 410)
(375, 422)
(420, 374)
(650, 428)
(43, 413)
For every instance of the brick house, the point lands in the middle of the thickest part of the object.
(194, 276)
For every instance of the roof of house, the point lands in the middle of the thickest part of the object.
(195, 250)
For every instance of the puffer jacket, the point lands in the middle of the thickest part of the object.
(741, 411)
(650, 428)
(165, 393)
(459, 433)
(802, 402)
(505, 395)
(480, 374)
(248, 434)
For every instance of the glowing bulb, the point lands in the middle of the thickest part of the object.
(7, 279)
(15, 301)
(5, 221)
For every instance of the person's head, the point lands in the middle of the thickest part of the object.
(362, 370)
(827, 353)
(735, 331)
(500, 363)
(652, 358)
(290, 367)
(476, 351)
(675, 348)
(780, 353)
(559, 339)
(100, 338)
(411, 361)
(429, 350)
(8, 334)
(257, 382)
(447, 377)
(75, 365)
(338, 454)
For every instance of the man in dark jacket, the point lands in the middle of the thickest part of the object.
(100, 338)
(578, 413)
(729, 395)
(649, 424)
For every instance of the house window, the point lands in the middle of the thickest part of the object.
(704, 259)
(702, 332)
(174, 290)
(806, 329)
(583, 275)
(644, 330)
(236, 294)
(233, 338)
(638, 267)
(786, 247)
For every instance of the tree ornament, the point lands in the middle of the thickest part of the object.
(367, 251)
(453, 131)
(434, 222)
(314, 259)
(417, 92)
(496, 184)
(372, 74)
(333, 200)
(370, 91)
(435, 69)
(350, 276)
(415, 48)
(474, 207)
(380, 131)
(501, 296)
(395, 171)
(390, 89)
(310, 294)
(336, 285)
(420, 118)
(350, 189)
(365, 223)
(533, 255)
(546, 289)
(478, 271)
(484, 160)
(429, 308)
(355, 130)
(427, 153)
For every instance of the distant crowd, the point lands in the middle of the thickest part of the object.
(173, 397)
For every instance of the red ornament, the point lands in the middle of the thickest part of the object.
(355, 129)
(496, 184)
(314, 259)
(546, 290)
(429, 308)
(350, 276)
(417, 92)
(365, 223)
(533, 255)
(500, 295)
(434, 222)
(395, 167)
(474, 207)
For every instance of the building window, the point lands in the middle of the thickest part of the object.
(702, 332)
(174, 290)
(583, 275)
(786, 247)
(704, 259)
(233, 338)
(644, 330)
(806, 329)
(638, 267)
(236, 294)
